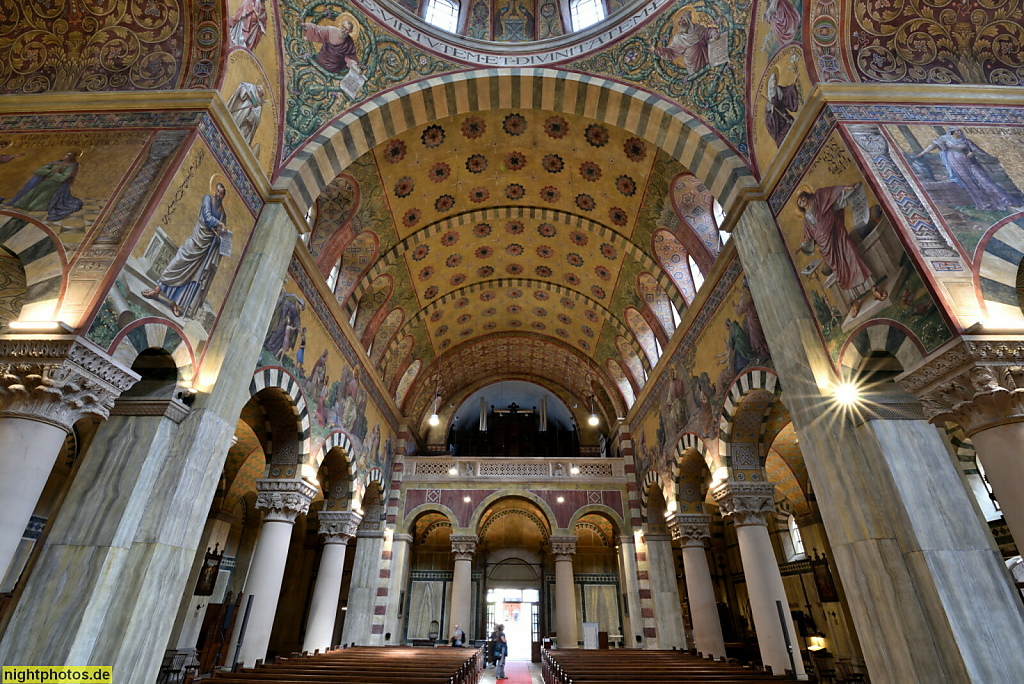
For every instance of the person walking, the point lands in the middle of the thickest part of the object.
(458, 637)
(500, 653)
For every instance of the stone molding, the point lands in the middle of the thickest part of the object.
(407, 538)
(691, 529)
(172, 409)
(283, 500)
(976, 381)
(563, 547)
(746, 503)
(464, 546)
(338, 526)
(58, 379)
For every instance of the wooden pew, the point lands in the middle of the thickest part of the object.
(643, 667)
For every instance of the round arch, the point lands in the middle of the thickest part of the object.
(35, 245)
(490, 500)
(749, 381)
(149, 332)
(598, 509)
(662, 122)
(271, 377)
(877, 336)
(422, 509)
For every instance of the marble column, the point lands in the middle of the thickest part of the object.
(630, 587)
(668, 609)
(892, 502)
(48, 383)
(692, 530)
(564, 549)
(366, 579)
(461, 613)
(977, 382)
(283, 501)
(401, 544)
(337, 527)
(748, 505)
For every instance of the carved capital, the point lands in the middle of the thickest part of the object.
(464, 546)
(338, 526)
(563, 547)
(690, 528)
(975, 381)
(746, 503)
(283, 500)
(58, 379)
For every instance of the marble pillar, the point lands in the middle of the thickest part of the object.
(977, 382)
(747, 505)
(668, 609)
(337, 527)
(564, 549)
(630, 587)
(907, 543)
(48, 383)
(692, 531)
(401, 544)
(461, 613)
(283, 501)
(366, 571)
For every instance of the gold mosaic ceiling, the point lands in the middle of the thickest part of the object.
(514, 241)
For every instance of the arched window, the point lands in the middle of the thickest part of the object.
(796, 539)
(444, 14)
(698, 277)
(672, 257)
(332, 278)
(585, 13)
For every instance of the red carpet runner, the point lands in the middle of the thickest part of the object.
(518, 672)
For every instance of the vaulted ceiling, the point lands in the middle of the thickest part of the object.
(513, 244)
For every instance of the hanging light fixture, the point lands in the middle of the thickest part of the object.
(434, 420)
(593, 416)
(592, 420)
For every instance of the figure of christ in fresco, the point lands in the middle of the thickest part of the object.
(188, 276)
(284, 326)
(962, 159)
(824, 228)
(248, 24)
(246, 108)
(782, 103)
(49, 189)
(337, 49)
(783, 18)
(690, 41)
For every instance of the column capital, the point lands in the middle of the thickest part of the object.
(975, 381)
(692, 529)
(563, 546)
(405, 538)
(746, 503)
(284, 500)
(338, 526)
(58, 379)
(464, 546)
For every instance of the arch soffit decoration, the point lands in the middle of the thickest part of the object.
(750, 381)
(880, 336)
(338, 440)
(271, 377)
(154, 333)
(35, 246)
(486, 525)
(549, 515)
(598, 509)
(659, 121)
(423, 509)
(691, 444)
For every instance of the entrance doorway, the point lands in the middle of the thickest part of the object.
(519, 611)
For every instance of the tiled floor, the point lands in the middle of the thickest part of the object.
(487, 676)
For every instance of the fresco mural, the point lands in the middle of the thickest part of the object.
(693, 53)
(113, 45)
(334, 389)
(252, 101)
(972, 174)
(778, 96)
(514, 21)
(336, 57)
(725, 336)
(182, 267)
(850, 261)
(64, 180)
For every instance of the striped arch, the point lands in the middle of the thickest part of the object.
(651, 478)
(150, 333)
(889, 337)
(690, 442)
(270, 376)
(649, 116)
(410, 517)
(599, 509)
(42, 256)
(999, 259)
(376, 475)
(755, 379)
